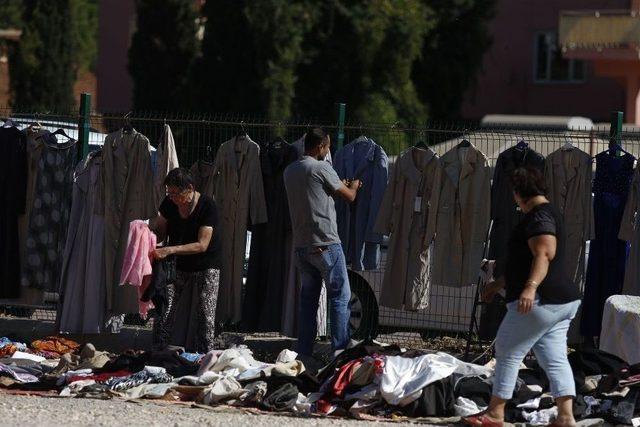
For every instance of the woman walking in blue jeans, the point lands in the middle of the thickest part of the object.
(541, 301)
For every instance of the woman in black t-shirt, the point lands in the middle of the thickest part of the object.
(189, 220)
(541, 301)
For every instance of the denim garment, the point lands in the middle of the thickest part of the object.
(315, 265)
(365, 160)
(544, 329)
(607, 253)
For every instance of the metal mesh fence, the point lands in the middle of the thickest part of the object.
(198, 137)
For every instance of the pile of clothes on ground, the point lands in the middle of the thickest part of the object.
(367, 381)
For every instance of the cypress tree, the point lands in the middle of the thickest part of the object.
(452, 53)
(227, 74)
(362, 52)
(43, 66)
(162, 53)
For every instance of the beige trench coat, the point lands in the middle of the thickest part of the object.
(630, 231)
(127, 181)
(569, 175)
(406, 278)
(239, 195)
(167, 160)
(461, 206)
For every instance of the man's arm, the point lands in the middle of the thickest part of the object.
(349, 192)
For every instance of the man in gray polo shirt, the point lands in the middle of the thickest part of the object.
(311, 185)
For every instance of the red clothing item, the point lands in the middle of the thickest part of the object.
(337, 385)
(99, 378)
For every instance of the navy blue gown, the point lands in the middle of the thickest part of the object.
(607, 253)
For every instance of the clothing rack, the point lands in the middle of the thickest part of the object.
(474, 325)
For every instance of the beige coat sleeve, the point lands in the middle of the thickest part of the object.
(384, 222)
(107, 165)
(257, 203)
(627, 226)
(434, 206)
(148, 208)
(166, 162)
(484, 202)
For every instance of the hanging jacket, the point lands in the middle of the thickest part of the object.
(461, 216)
(365, 160)
(167, 161)
(239, 194)
(127, 183)
(83, 281)
(569, 175)
(406, 276)
(504, 210)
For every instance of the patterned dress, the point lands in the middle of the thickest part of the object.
(49, 218)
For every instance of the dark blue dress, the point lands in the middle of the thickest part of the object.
(607, 253)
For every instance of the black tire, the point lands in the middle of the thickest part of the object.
(363, 322)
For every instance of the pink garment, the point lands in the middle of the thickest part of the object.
(136, 266)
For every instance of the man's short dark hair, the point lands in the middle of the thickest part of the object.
(180, 178)
(314, 138)
(528, 182)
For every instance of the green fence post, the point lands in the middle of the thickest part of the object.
(615, 131)
(342, 108)
(83, 125)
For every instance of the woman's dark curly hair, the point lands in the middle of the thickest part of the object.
(528, 182)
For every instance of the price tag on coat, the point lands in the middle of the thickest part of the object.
(417, 206)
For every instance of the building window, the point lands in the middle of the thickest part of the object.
(550, 66)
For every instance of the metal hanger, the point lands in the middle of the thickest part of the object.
(615, 148)
(63, 133)
(127, 127)
(522, 144)
(465, 140)
(242, 131)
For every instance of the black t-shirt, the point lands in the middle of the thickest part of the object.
(182, 231)
(557, 287)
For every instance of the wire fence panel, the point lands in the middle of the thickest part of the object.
(198, 137)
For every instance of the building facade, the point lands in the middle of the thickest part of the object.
(528, 70)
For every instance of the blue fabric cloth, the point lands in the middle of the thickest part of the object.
(365, 160)
(543, 329)
(315, 265)
(607, 253)
(191, 357)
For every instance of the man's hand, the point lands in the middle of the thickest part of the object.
(355, 184)
(525, 303)
(490, 291)
(162, 253)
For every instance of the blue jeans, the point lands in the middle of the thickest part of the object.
(315, 265)
(543, 329)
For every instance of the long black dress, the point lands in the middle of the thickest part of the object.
(270, 245)
(13, 191)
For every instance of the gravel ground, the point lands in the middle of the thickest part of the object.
(44, 411)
